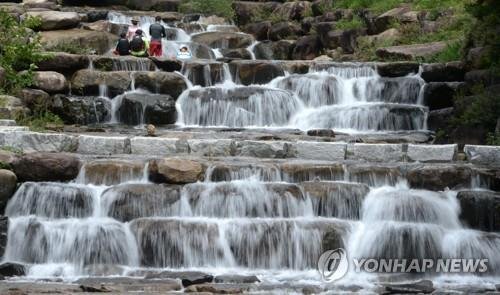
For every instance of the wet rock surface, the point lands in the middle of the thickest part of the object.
(46, 167)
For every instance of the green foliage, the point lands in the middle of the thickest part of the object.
(480, 109)
(221, 8)
(380, 6)
(40, 117)
(452, 52)
(367, 48)
(493, 139)
(355, 23)
(20, 50)
(73, 48)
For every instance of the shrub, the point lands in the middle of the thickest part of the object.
(20, 50)
(221, 8)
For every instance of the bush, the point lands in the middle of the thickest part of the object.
(20, 50)
(221, 8)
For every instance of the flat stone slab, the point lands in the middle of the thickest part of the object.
(153, 146)
(38, 142)
(375, 152)
(483, 154)
(211, 147)
(103, 145)
(432, 153)
(411, 51)
(5, 122)
(329, 151)
(14, 128)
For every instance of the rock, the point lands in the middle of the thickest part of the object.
(327, 151)
(245, 11)
(284, 30)
(81, 110)
(345, 39)
(8, 182)
(32, 97)
(440, 95)
(154, 5)
(448, 72)
(477, 58)
(40, 4)
(106, 26)
(260, 30)
(320, 7)
(39, 142)
(225, 40)
(438, 178)
(419, 287)
(384, 21)
(485, 77)
(321, 132)
(255, 72)
(216, 289)
(386, 37)
(12, 269)
(143, 108)
(100, 42)
(64, 63)
(432, 153)
(279, 50)
(167, 64)
(103, 145)
(205, 73)
(480, 209)
(87, 82)
(176, 171)
(4, 231)
(154, 146)
(111, 172)
(172, 84)
(236, 279)
(483, 155)
(2, 76)
(241, 53)
(51, 82)
(97, 15)
(211, 147)
(56, 20)
(411, 51)
(296, 10)
(375, 152)
(46, 167)
(397, 69)
(307, 47)
(11, 107)
(263, 149)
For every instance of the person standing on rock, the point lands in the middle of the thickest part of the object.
(132, 29)
(157, 32)
(139, 45)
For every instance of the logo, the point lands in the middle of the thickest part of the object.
(333, 265)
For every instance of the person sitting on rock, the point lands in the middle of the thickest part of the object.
(123, 45)
(132, 29)
(139, 45)
(157, 32)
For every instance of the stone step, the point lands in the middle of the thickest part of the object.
(5, 122)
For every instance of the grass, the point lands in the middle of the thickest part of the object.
(355, 23)
(41, 121)
(223, 8)
(452, 52)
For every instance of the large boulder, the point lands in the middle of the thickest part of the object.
(246, 11)
(345, 39)
(307, 47)
(12, 269)
(56, 20)
(279, 50)
(106, 26)
(8, 181)
(81, 110)
(447, 72)
(87, 82)
(296, 10)
(46, 167)
(11, 107)
(155, 5)
(409, 52)
(51, 82)
(176, 171)
(480, 209)
(225, 40)
(172, 84)
(385, 20)
(100, 42)
(40, 4)
(284, 30)
(240, 53)
(197, 72)
(144, 108)
(397, 69)
(32, 97)
(255, 72)
(260, 30)
(64, 63)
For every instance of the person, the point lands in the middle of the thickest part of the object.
(132, 29)
(123, 45)
(184, 53)
(139, 45)
(157, 32)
